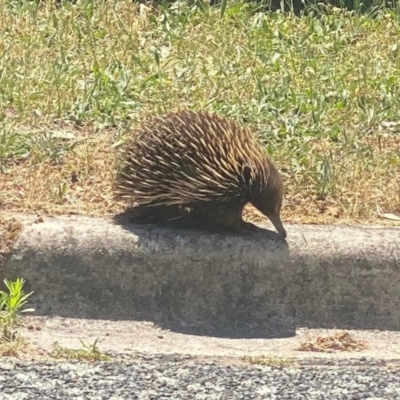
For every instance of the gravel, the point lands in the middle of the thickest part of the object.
(186, 381)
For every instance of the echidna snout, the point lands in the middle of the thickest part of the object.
(270, 200)
(276, 221)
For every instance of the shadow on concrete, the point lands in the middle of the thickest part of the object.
(176, 301)
(166, 318)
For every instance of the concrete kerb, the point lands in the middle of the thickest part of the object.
(196, 282)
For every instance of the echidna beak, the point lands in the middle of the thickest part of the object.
(276, 221)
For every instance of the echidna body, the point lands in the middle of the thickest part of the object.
(201, 162)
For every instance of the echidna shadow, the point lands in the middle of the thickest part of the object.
(197, 170)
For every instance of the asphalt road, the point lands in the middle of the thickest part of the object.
(151, 380)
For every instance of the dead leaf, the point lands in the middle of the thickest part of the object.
(390, 216)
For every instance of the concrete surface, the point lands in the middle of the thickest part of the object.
(127, 339)
(212, 284)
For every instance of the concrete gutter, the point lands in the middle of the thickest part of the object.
(195, 282)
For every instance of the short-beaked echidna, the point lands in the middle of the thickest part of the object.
(203, 163)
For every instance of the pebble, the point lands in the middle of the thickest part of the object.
(168, 380)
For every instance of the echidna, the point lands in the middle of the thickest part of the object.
(201, 163)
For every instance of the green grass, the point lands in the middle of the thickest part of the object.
(321, 93)
(12, 302)
(89, 353)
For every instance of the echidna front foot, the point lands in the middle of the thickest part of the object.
(249, 227)
(220, 217)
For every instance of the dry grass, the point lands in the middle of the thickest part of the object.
(13, 347)
(340, 341)
(322, 95)
(10, 229)
(268, 361)
(80, 183)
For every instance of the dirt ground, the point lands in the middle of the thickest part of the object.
(129, 340)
